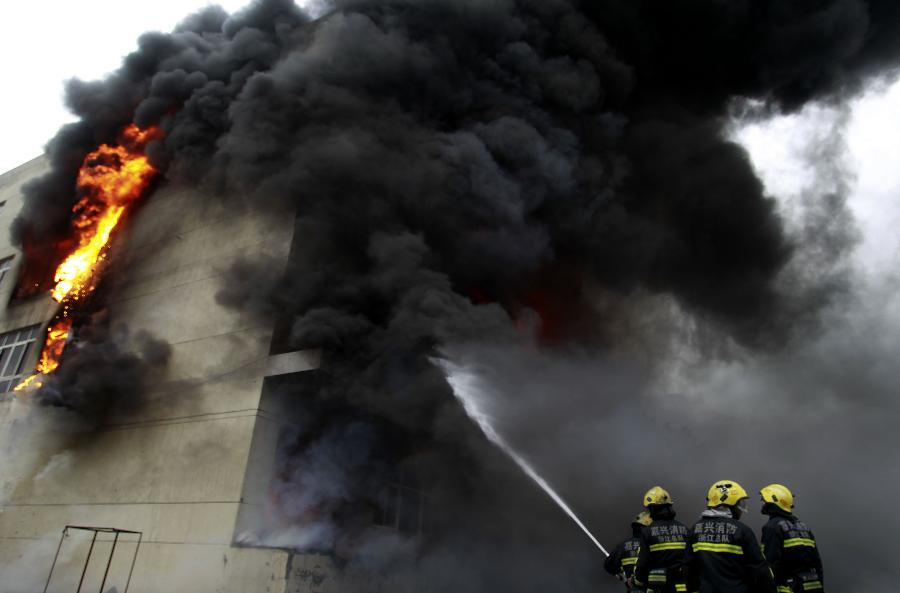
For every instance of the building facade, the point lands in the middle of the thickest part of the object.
(185, 472)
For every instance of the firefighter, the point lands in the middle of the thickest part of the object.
(621, 561)
(723, 555)
(788, 544)
(661, 559)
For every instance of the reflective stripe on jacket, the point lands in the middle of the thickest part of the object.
(662, 556)
(623, 557)
(724, 557)
(791, 551)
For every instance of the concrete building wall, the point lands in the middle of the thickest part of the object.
(33, 311)
(174, 468)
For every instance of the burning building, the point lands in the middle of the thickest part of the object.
(181, 469)
(244, 394)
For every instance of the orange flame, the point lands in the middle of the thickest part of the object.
(110, 180)
(57, 335)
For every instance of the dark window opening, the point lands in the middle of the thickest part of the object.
(402, 505)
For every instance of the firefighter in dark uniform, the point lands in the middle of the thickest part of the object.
(660, 566)
(788, 544)
(723, 555)
(621, 561)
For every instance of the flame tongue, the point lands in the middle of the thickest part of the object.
(57, 336)
(75, 276)
(110, 180)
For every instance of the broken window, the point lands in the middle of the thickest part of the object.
(5, 265)
(16, 348)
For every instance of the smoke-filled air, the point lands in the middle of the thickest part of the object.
(549, 197)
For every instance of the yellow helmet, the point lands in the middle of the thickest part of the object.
(657, 495)
(779, 495)
(643, 518)
(725, 492)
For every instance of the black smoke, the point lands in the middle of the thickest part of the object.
(518, 172)
(102, 372)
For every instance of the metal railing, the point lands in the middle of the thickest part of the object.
(97, 530)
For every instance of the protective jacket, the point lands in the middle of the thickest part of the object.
(790, 549)
(723, 556)
(661, 560)
(622, 559)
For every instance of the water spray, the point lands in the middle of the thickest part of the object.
(465, 387)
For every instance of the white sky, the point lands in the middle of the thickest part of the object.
(781, 147)
(45, 43)
(42, 44)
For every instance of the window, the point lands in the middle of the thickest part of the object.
(402, 505)
(5, 265)
(15, 350)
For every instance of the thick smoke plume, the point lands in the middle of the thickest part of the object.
(541, 184)
(104, 372)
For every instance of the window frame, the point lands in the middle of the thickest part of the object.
(5, 267)
(17, 345)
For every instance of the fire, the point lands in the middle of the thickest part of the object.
(76, 274)
(57, 335)
(111, 179)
